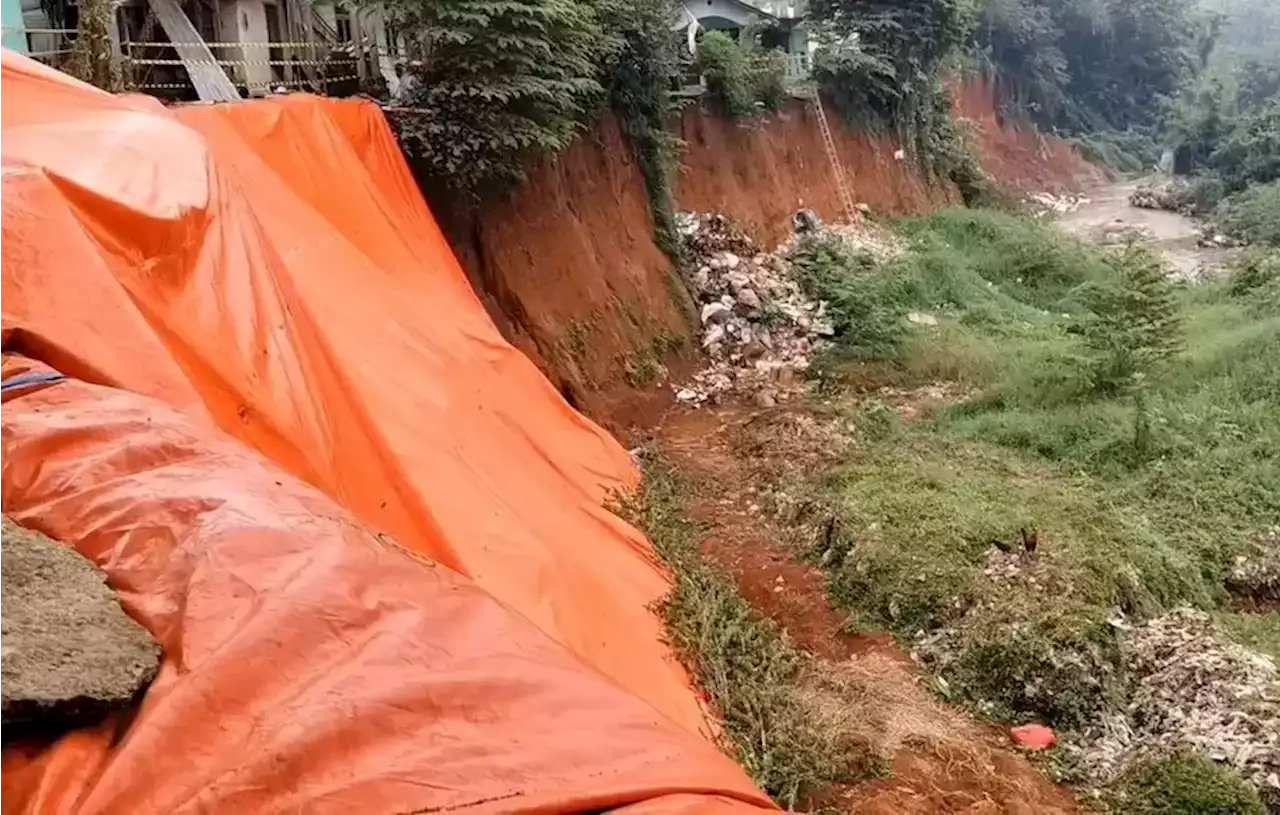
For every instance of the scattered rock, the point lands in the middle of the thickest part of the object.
(765, 399)
(1033, 737)
(70, 652)
(921, 318)
(715, 313)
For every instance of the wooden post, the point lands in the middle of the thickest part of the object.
(113, 34)
(357, 41)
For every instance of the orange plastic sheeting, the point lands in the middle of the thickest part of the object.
(310, 664)
(270, 265)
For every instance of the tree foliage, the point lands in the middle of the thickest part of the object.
(639, 78)
(502, 79)
(1134, 325)
(881, 63)
(741, 76)
(1091, 65)
(881, 59)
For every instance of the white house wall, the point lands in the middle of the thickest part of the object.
(245, 21)
(711, 12)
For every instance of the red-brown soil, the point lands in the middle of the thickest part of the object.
(761, 171)
(1016, 154)
(941, 761)
(568, 269)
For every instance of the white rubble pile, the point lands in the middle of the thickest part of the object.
(1207, 237)
(1255, 575)
(758, 328)
(1193, 688)
(1174, 195)
(1048, 205)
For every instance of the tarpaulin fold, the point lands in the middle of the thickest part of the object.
(269, 271)
(310, 663)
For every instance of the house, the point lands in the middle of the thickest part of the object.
(220, 49)
(780, 24)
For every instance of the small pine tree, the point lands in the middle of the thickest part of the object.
(1135, 324)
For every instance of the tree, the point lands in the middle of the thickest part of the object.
(1018, 52)
(503, 79)
(1092, 65)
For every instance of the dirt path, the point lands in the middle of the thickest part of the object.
(941, 760)
(1108, 215)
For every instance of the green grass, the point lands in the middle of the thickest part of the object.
(1141, 486)
(750, 674)
(1183, 784)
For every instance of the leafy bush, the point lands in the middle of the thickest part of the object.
(1184, 783)
(639, 80)
(740, 76)
(1134, 322)
(1255, 270)
(727, 71)
(1250, 153)
(1253, 215)
(504, 80)
(1207, 191)
(768, 78)
(868, 323)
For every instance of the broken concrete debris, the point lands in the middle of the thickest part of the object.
(1048, 205)
(1192, 688)
(1174, 195)
(758, 327)
(71, 654)
(760, 330)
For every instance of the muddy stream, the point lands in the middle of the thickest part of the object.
(1107, 217)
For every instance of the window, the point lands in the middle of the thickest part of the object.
(342, 24)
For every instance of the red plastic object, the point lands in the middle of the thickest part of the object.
(1033, 737)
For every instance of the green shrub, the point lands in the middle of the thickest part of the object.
(505, 80)
(869, 323)
(1252, 215)
(1250, 154)
(727, 70)
(1206, 192)
(1255, 272)
(1134, 322)
(1184, 783)
(741, 78)
(768, 78)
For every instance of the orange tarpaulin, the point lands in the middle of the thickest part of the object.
(269, 269)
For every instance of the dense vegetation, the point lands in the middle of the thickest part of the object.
(1091, 65)
(1130, 422)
